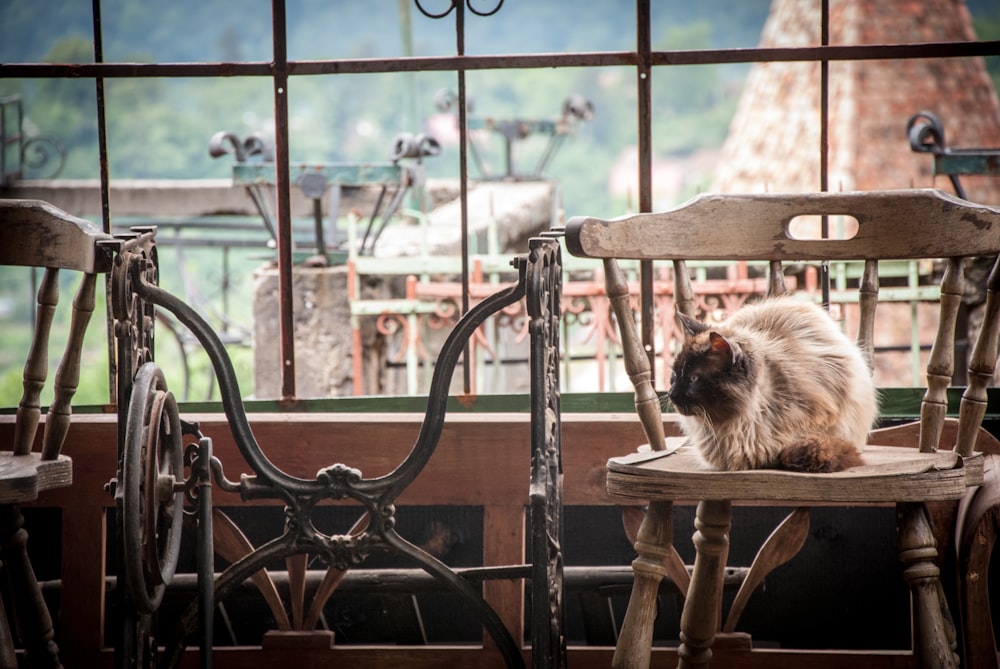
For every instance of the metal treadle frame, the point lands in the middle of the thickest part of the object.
(150, 480)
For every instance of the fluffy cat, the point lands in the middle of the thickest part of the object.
(776, 385)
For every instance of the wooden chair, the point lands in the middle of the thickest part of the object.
(891, 225)
(36, 234)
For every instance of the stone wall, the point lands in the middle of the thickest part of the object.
(322, 312)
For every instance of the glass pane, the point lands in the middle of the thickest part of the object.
(186, 31)
(714, 24)
(35, 32)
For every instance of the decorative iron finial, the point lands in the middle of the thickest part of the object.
(926, 133)
(454, 3)
(255, 144)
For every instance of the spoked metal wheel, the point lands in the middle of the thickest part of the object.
(150, 502)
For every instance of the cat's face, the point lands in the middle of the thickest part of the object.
(712, 376)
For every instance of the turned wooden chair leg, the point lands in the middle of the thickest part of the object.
(8, 658)
(977, 538)
(653, 545)
(34, 623)
(934, 633)
(703, 608)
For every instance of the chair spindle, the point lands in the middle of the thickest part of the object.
(981, 367)
(36, 367)
(68, 374)
(647, 402)
(941, 364)
(683, 292)
(776, 280)
(868, 301)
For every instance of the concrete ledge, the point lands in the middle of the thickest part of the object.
(189, 197)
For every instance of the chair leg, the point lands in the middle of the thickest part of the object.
(652, 544)
(8, 658)
(702, 613)
(30, 612)
(977, 538)
(935, 642)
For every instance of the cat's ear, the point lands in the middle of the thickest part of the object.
(720, 346)
(689, 326)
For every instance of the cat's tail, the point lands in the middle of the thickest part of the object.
(819, 454)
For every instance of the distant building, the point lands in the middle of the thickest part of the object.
(773, 142)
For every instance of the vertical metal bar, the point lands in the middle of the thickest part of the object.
(102, 151)
(19, 138)
(463, 169)
(124, 636)
(644, 86)
(406, 41)
(102, 133)
(226, 287)
(206, 555)
(3, 142)
(279, 69)
(824, 146)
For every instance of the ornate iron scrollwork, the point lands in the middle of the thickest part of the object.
(151, 468)
(133, 326)
(37, 157)
(149, 502)
(452, 4)
(544, 277)
(377, 532)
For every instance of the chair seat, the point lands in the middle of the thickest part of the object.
(22, 477)
(890, 474)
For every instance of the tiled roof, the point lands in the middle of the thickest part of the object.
(773, 142)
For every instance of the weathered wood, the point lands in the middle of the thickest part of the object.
(776, 280)
(868, 301)
(24, 476)
(68, 373)
(941, 364)
(890, 474)
(449, 657)
(981, 366)
(303, 443)
(491, 450)
(702, 612)
(978, 533)
(83, 588)
(647, 402)
(782, 545)
(36, 234)
(916, 223)
(504, 540)
(231, 545)
(683, 291)
(892, 225)
(296, 566)
(677, 571)
(8, 658)
(935, 635)
(331, 580)
(34, 623)
(652, 544)
(590, 439)
(36, 367)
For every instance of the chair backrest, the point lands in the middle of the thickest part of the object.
(36, 234)
(899, 224)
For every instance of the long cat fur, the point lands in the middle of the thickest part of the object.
(777, 385)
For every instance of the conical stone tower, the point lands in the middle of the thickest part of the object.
(774, 139)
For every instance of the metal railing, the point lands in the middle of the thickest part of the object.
(23, 155)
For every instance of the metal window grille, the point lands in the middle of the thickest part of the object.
(641, 59)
